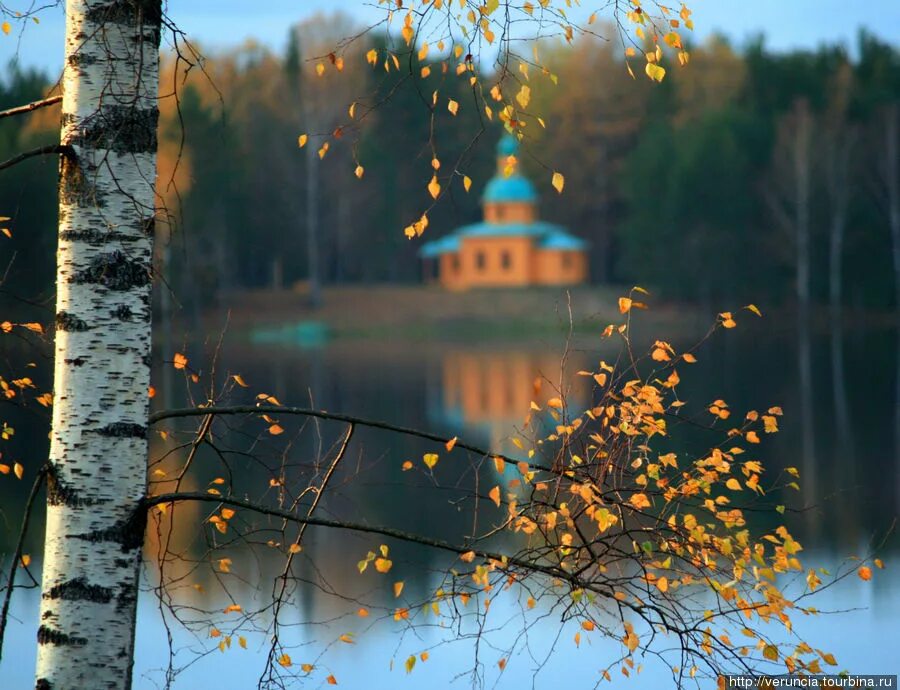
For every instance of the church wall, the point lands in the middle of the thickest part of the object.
(494, 261)
(558, 267)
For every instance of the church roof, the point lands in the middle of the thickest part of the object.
(546, 236)
(512, 188)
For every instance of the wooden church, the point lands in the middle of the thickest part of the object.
(511, 246)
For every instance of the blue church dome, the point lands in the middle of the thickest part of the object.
(512, 188)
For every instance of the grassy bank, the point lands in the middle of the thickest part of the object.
(426, 312)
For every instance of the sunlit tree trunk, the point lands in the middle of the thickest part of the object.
(99, 436)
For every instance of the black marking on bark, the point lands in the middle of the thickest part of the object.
(147, 360)
(119, 128)
(46, 614)
(43, 684)
(122, 312)
(80, 60)
(92, 237)
(123, 430)
(67, 322)
(61, 494)
(114, 271)
(80, 590)
(128, 533)
(148, 226)
(47, 635)
(77, 362)
(146, 14)
(127, 598)
(75, 188)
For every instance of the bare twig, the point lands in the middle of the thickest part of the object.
(17, 555)
(40, 151)
(30, 107)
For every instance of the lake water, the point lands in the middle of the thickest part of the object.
(479, 392)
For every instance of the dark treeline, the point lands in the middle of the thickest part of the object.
(729, 180)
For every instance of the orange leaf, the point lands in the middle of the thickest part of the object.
(275, 429)
(494, 495)
(449, 445)
(239, 381)
(865, 573)
(624, 305)
(179, 361)
(398, 589)
(331, 680)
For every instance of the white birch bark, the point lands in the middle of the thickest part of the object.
(102, 362)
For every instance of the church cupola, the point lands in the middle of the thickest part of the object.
(509, 196)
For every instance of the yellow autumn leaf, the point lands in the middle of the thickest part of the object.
(588, 625)
(6, 28)
(434, 187)
(733, 484)
(242, 641)
(770, 652)
(494, 495)
(285, 660)
(234, 608)
(295, 548)
(301, 140)
(499, 465)
(179, 361)
(383, 565)
(240, 381)
(26, 560)
(640, 501)
(453, 107)
(467, 557)
(558, 181)
(359, 172)
(430, 460)
(625, 305)
(410, 663)
(398, 589)
(18, 470)
(655, 72)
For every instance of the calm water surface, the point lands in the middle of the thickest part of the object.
(481, 392)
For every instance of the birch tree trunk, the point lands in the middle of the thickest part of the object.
(102, 362)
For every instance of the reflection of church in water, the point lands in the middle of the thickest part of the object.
(486, 395)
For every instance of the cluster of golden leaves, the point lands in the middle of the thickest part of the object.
(621, 518)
